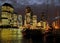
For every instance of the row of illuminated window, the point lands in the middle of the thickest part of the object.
(14, 17)
(34, 18)
(7, 8)
(28, 14)
(15, 24)
(6, 15)
(34, 21)
(7, 22)
(43, 24)
(9, 15)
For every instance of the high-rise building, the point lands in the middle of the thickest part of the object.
(14, 19)
(25, 21)
(28, 15)
(34, 20)
(20, 21)
(43, 23)
(6, 17)
(6, 14)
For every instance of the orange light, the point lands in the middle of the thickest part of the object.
(56, 27)
(47, 27)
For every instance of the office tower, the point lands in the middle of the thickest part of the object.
(20, 22)
(25, 21)
(28, 15)
(34, 20)
(43, 21)
(15, 20)
(43, 25)
(5, 17)
(7, 12)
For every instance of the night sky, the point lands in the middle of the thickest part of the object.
(37, 6)
(28, 2)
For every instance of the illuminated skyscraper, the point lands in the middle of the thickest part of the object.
(20, 22)
(34, 20)
(43, 22)
(14, 19)
(28, 15)
(6, 17)
(6, 14)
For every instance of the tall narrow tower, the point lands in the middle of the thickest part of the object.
(20, 22)
(15, 19)
(28, 15)
(34, 20)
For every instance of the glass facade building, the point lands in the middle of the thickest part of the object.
(9, 31)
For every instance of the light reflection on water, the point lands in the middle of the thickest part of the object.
(11, 36)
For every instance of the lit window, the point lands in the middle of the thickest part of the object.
(3, 8)
(9, 16)
(8, 8)
(5, 22)
(4, 14)
(15, 17)
(11, 9)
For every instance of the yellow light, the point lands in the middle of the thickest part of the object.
(44, 23)
(39, 24)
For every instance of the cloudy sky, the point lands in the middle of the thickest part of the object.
(17, 4)
(29, 2)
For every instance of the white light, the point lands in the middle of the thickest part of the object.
(57, 17)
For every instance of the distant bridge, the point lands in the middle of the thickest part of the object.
(54, 19)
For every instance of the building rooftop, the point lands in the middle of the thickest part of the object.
(7, 4)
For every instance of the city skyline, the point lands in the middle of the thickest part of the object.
(45, 13)
(52, 12)
(30, 21)
(20, 9)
